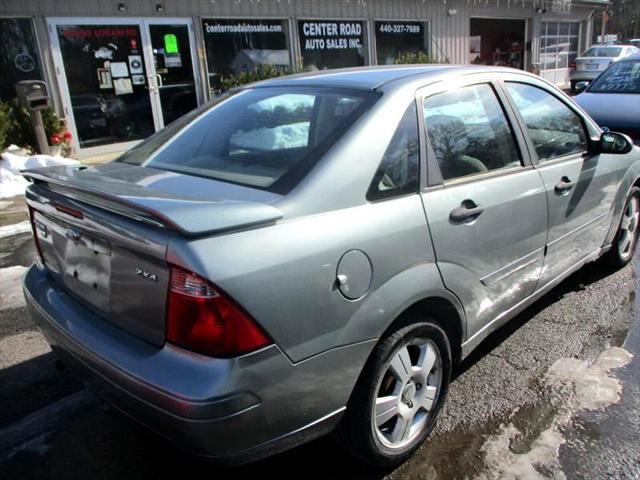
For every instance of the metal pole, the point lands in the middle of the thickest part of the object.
(38, 128)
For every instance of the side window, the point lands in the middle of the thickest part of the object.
(554, 128)
(469, 132)
(399, 171)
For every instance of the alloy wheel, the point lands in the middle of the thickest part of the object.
(407, 392)
(629, 228)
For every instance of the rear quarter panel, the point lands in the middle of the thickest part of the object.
(285, 275)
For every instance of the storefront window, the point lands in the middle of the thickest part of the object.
(331, 44)
(19, 59)
(396, 38)
(107, 82)
(558, 44)
(234, 46)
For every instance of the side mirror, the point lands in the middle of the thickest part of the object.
(580, 86)
(617, 143)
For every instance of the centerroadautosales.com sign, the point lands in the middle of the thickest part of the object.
(319, 35)
(226, 26)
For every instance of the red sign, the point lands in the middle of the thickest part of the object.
(99, 32)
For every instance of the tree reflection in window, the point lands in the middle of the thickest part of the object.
(399, 173)
(469, 132)
(554, 128)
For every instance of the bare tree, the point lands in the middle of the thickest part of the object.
(624, 20)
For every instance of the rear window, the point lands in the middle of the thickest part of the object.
(621, 77)
(266, 138)
(602, 52)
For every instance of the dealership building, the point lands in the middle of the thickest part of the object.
(118, 71)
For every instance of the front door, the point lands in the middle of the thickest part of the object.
(122, 79)
(580, 187)
(488, 214)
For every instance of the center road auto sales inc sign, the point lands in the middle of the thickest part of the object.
(320, 35)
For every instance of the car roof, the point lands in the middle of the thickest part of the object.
(375, 77)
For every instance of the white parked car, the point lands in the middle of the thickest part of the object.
(596, 60)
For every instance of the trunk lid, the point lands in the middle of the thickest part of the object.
(103, 233)
(593, 64)
(179, 202)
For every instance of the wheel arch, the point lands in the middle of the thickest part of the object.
(416, 290)
(354, 432)
(441, 308)
(630, 180)
(443, 313)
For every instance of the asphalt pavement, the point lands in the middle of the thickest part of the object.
(553, 394)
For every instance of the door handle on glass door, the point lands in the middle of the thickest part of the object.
(150, 85)
(564, 185)
(468, 209)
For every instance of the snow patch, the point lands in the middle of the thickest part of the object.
(574, 386)
(15, 229)
(505, 464)
(12, 161)
(11, 287)
(590, 386)
(281, 137)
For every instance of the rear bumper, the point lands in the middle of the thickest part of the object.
(584, 75)
(234, 410)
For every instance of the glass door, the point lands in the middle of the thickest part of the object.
(173, 81)
(102, 68)
(122, 79)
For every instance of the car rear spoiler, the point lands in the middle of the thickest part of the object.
(189, 216)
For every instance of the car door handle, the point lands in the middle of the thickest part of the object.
(468, 209)
(564, 185)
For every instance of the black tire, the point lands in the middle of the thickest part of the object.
(614, 257)
(573, 86)
(356, 432)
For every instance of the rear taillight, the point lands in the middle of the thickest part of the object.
(34, 228)
(572, 66)
(202, 319)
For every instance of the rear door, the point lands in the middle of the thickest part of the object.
(485, 204)
(580, 187)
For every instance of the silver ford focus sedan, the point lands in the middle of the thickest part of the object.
(315, 253)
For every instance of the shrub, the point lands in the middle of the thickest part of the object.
(5, 124)
(261, 72)
(415, 57)
(20, 131)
